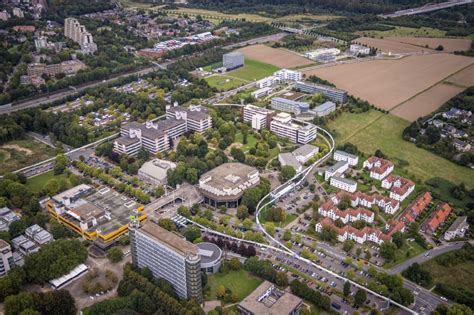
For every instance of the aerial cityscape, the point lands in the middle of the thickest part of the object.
(290, 157)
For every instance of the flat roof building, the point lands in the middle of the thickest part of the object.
(298, 157)
(288, 75)
(6, 218)
(457, 229)
(288, 159)
(344, 156)
(343, 183)
(258, 117)
(267, 299)
(99, 215)
(323, 54)
(295, 130)
(330, 92)
(225, 184)
(324, 109)
(233, 60)
(6, 258)
(168, 256)
(211, 257)
(196, 117)
(286, 105)
(154, 172)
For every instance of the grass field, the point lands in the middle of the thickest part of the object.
(401, 254)
(254, 70)
(251, 141)
(216, 15)
(374, 130)
(20, 153)
(36, 184)
(240, 282)
(401, 31)
(223, 83)
(459, 275)
(288, 219)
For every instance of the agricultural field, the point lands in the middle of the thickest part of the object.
(389, 46)
(426, 102)
(364, 130)
(388, 83)
(449, 44)
(464, 78)
(401, 31)
(21, 153)
(240, 282)
(277, 57)
(223, 83)
(253, 70)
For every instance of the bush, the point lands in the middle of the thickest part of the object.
(115, 254)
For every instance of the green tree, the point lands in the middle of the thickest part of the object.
(387, 250)
(270, 228)
(360, 297)
(287, 172)
(115, 254)
(167, 224)
(347, 288)
(287, 235)
(242, 212)
(348, 245)
(192, 233)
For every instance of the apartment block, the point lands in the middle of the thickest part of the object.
(6, 258)
(78, 33)
(168, 256)
(343, 183)
(332, 93)
(295, 130)
(344, 156)
(267, 82)
(258, 117)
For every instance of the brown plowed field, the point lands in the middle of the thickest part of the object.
(389, 46)
(277, 57)
(426, 102)
(463, 78)
(387, 83)
(449, 44)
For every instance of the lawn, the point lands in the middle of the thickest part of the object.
(373, 130)
(223, 83)
(401, 254)
(21, 153)
(213, 66)
(401, 31)
(253, 70)
(290, 217)
(251, 141)
(36, 183)
(240, 282)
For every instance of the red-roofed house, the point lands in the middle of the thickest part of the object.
(328, 209)
(400, 187)
(437, 217)
(415, 208)
(379, 168)
(388, 205)
(24, 28)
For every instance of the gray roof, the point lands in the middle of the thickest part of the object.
(209, 252)
(193, 112)
(289, 159)
(305, 150)
(336, 167)
(157, 168)
(325, 106)
(459, 222)
(127, 140)
(344, 180)
(291, 102)
(352, 156)
(152, 133)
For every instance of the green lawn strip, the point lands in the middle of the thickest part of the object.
(37, 183)
(401, 254)
(374, 130)
(253, 70)
(222, 83)
(240, 282)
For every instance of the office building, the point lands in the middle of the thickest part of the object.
(6, 218)
(286, 105)
(267, 299)
(24, 245)
(267, 82)
(39, 235)
(211, 257)
(226, 184)
(323, 54)
(288, 159)
(288, 75)
(332, 93)
(154, 172)
(168, 256)
(344, 156)
(196, 117)
(99, 215)
(457, 229)
(78, 33)
(258, 117)
(262, 92)
(6, 258)
(324, 109)
(233, 60)
(295, 130)
(298, 157)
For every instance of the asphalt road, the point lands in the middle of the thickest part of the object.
(427, 8)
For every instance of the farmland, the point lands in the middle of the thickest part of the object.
(20, 153)
(277, 57)
(253, 70)
(223, 83)
(364, 130)
(401, 31)
(449, 44)
(388, 83)
(426, 102)
(463, 78)
(389, 46)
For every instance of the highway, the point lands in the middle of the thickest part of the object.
(430, 7)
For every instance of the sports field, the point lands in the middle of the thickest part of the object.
(388, 83)
(278, 57)
(374, 130)
(253, 70)
(223, 83)
(21, 153)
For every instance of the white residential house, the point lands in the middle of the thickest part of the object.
(339, 168)
(379, 167)
(343, 183)
(344, 156)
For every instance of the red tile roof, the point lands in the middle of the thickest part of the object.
(416, 207)
(383, 164)
(437, 217)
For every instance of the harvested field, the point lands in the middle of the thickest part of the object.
(387, 83)
(464, 78)
(277, 57)
(449, 44)
(391, 46)
(426, 102)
